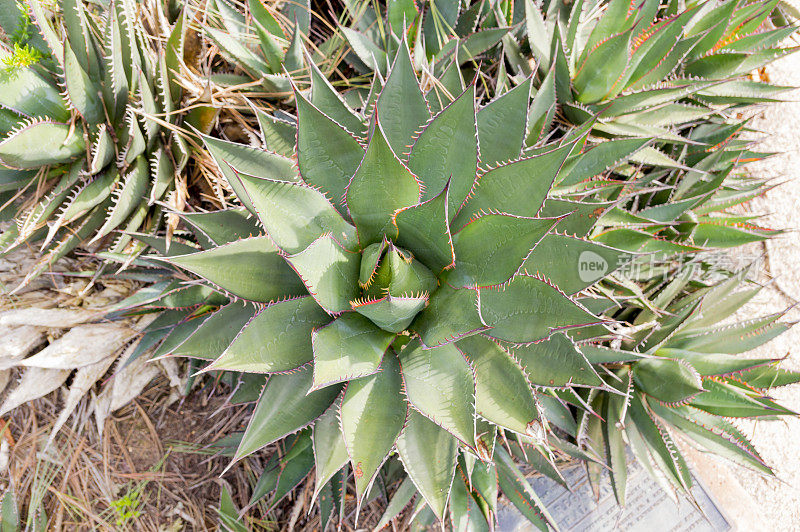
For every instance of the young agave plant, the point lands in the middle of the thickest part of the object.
(643, 68)
(93, 141)
(685, 376)
(397, 291)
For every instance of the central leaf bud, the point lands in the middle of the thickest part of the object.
(394, 286)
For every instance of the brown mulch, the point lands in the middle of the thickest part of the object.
(152, 469)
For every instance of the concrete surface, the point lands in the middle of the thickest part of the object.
(778, 499)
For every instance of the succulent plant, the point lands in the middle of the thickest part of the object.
(399, 287)
(685, 375)
(91, 139)
(642, 67)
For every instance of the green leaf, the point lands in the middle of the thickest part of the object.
(222, 227)
(446, 151)
(84, 95)
(279, 136)
(516, 487)
(232, 158)
(367, 51)
(440, 384)
(424, 229)
(381, 185)
(278, 338)
(732, 339)
(715, 364)
(502, 126)
(328, 101)
(542, 110)
(601, 73)
(130, 197)
(401, 105)
(295, 215)
(373, 412)
(769, 377)
(528, 309)
(577, 218)
(556, 362)
(518, 188)
(391, 313)
(329, 272)
(428, 454)
(465, 514)
(298, 462)
(571, 263)
(659, 444)
(502, 393)
(271, 421)
(347, 348)
(330, 452)
(731, 400)
(215, 334)
(713, 433)
(400, 499)
(261, 274)
(491, 248)
(598, 159)
(451, 314)
(28, 93)
(41, 143)
(238, 53)
(327, 155)
(669, 381)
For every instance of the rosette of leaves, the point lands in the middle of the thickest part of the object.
(683, 372)
(646, 70)
(397, 284)
(266, 41)
(90, 145)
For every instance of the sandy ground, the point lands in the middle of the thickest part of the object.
(778, 499)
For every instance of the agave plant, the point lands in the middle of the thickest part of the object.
(398, 286)
(685, 376)
(92, 140)
(642, 67)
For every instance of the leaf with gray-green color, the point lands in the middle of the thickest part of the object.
(260, 273)
(211, 339)
(451, 314)
(41, 143)
(518, 188)
(401, 105)
(425, 230)
(446, 151)
(329, 272)
(502, 393)
(271, 420)
(330, 452)
(492, 248)
(327, 155)
(381, 185)
(295, 215)
(556, 362)
(668, 380)
(572, 264)
(373, 412)
(528, 309)
(347, 348)
(428, 453)
(278, 338)
(440, 384)
(502, 126)
(222, 227)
